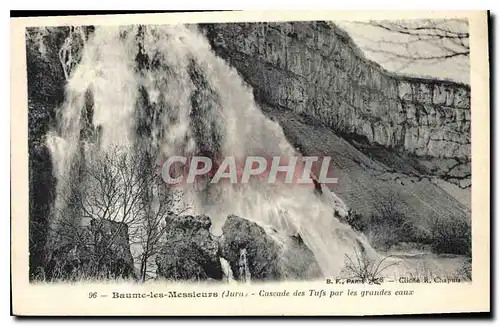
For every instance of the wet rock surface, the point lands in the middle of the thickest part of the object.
(298, 262)
(243, 239)
(41, 195)
(46, 64)
(191, 253)
(246, 244)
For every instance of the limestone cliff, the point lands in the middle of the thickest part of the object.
(314, 68)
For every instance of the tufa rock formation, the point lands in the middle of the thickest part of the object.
(245, 243)
(51, 53)
(190, 252)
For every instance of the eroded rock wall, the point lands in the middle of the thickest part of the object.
(315, 68)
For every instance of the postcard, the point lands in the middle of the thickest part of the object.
(268, 163)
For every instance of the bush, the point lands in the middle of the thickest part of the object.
(357, 221)
(464, 272)
(451, 236)
(367, 270)
(388, 226)
(383, 230)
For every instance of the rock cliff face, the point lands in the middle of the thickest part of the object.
(46, 83)
(314, 68)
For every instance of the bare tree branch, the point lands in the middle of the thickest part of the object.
(426, 41)
(123, 187)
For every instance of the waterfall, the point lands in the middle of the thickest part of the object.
(226, 269)
(162, 88)
(244, 270)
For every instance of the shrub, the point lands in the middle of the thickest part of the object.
(389, 226)
(367, 270)
(357, 221)
(451, 236)
(464, 272)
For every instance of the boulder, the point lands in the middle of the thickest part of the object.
(111, 245)
(246, 244)
(190, 252)
(297, 261)
(255, 254)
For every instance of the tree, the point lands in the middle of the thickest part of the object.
(414, 42)
(164, 206)
(120, 186)
(109, 186)
(99, 209)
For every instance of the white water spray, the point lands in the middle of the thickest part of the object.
(162, 87)
(226, 270)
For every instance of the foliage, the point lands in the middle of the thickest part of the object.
(357, 221)
(464, 272)
(388, 227)
(451, 236)
(365, 269)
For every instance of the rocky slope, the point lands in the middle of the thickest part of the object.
(364, 182)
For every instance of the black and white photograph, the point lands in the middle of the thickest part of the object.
(251, 152)
(108, 106)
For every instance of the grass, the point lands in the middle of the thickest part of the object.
(465, 271)
(82, 273)
(367, 270)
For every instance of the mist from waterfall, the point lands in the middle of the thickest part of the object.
(162, 88)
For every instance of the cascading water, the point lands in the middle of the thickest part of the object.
(162, 87)
(226, 270)
(243, 266)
